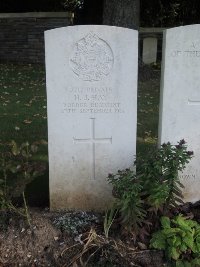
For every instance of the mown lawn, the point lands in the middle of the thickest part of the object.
(22, 103)
(23, 113)
(23, 116)
(148, 113)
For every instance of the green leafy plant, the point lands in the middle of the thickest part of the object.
(159, 172)
(127, 190)
(18, 167)
(155, 186)
(180, 239)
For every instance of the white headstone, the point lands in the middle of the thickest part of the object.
(180, 99)
(149, 53)
(92, 111)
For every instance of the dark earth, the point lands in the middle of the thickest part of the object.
(75, 239)
(45, 244)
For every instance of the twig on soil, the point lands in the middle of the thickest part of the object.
(92, 236)
(26, 210)
(93, 240)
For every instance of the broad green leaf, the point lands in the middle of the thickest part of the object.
(171, 241)
(195, 248)
(197, 245)
(165, 221)
(180, 263)
(188, 240)
(171, 232)
(187, 264)
(158, 241)
(196, 261)
(178, 241)
(183, 247)
(173, 253)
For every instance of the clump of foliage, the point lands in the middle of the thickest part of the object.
(73, 4)
(154, 187)
(18, 167)
(159, 173)
(180, 239)
(75, 223)
(170, 13)
(127, 190)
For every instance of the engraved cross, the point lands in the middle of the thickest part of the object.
(193, 102)
(93, 140)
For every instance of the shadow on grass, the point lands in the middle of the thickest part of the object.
(37, 192)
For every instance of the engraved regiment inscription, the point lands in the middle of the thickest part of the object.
(92, 100)
(92, 58)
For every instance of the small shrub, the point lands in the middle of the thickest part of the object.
(127, 190)
(154, 187)
(180, 239)
(159, 174)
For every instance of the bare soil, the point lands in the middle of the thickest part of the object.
(44, 244)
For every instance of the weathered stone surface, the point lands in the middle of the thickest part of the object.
(92, 111)
(180, 99)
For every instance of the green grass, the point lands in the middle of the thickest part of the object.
(23, 115)
(22, 103)
(148, 114)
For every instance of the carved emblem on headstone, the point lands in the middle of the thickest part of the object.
(92, 58)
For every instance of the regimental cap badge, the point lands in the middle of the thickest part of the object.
(92, 58)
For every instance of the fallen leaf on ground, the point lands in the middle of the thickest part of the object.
(27, 121)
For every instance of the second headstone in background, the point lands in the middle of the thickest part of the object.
(149, 53)
(180, 99)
